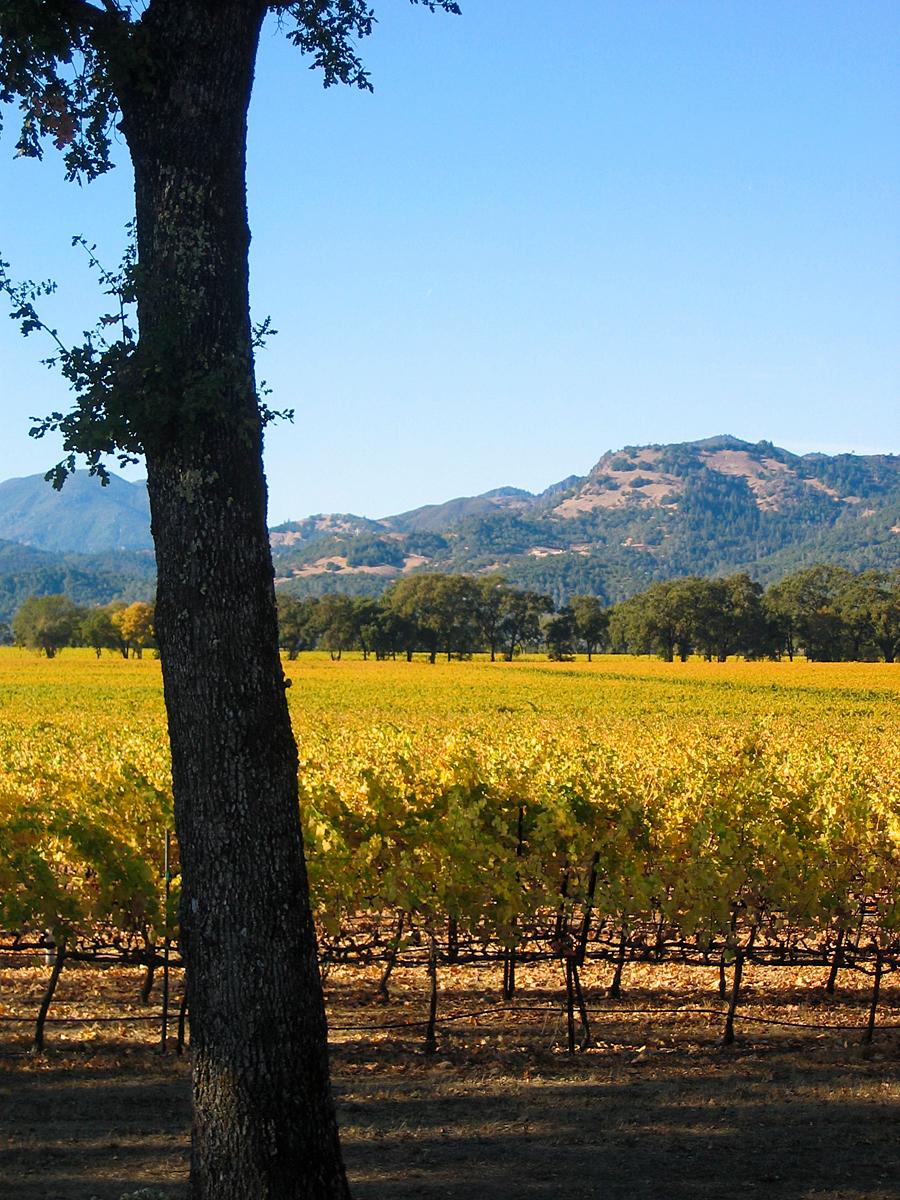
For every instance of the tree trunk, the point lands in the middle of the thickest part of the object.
(264, 1123)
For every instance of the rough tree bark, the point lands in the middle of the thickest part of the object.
(264, 1124)
(179, 75)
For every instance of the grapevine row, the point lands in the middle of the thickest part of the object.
(529, 836)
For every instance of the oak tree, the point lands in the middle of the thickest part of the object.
(46, 623)
(591, 621)
(99, 631)
(135, 626)
(175, 76)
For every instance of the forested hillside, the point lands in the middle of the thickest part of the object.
(643, 513)
(87, 579)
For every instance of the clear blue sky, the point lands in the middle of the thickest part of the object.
(557, 227)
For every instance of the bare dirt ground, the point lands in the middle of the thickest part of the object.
(655, 1110)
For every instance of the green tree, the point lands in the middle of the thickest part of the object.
(442, 609)
(393, 634)
(296, 624)
(806, 607)
(520, 619)
(460, 611)
(334, 622)
(491, 592)
(623, 629)
(46, 623)
(368, 623)
(366, 550)
(591, 622)
(687, 603)
(559, 634)
(414, 600)
(884, 614)
(99, 631)
(749, 632)
(658, 621)
(781, 617)
(869, 606)
(175, 77)
(717, 617)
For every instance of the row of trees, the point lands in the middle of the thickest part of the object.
(824, 612)
(450, 614)
(48, 623)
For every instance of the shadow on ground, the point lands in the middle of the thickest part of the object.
(784, 1122)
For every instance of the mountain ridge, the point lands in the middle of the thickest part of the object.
(710, 506)
(642, 512)
(81, 517)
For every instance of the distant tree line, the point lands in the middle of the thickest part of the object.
(826, 613)
(50, 623)
(455, 615)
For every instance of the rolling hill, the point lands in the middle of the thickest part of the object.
(642, 513)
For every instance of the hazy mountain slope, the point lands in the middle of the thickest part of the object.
(859, 541)
(435, 517)
(83, 516)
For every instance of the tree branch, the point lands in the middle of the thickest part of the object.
(87, 16)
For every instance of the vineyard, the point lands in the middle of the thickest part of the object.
(626, 811)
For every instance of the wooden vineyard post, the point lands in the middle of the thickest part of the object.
(615, 988)
(509, 972)
(723, 988)
(574, 995)
(149, 973)
(509, 954)
(589, 903)
(570, 1005)
(561, 928)
(164, 1031)
(582, 1006)
(382, 992)
(728, 1036)
(739, 955)
(452, 939)
(430, 1038)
